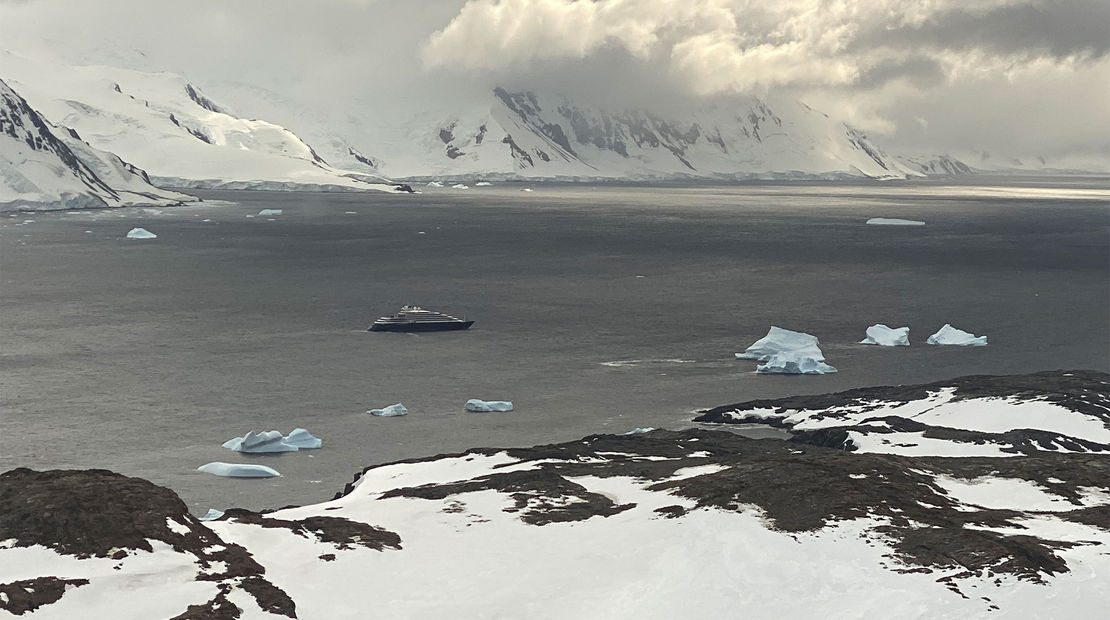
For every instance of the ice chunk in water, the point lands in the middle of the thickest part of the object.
(140, 233)
(390, 411)
(957, 337)
(887, 336)
(238, 470)
(475, 404)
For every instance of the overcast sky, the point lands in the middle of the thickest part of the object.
(1020, 77)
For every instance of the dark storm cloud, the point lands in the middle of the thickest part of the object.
(1056, 29)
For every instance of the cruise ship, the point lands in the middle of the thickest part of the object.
(417, 319)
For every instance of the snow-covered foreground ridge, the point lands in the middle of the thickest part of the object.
(43, 166)
(662, 524)
(1055, 411)
(167, 126)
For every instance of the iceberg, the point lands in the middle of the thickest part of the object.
(140, 233)
(435, 184)
(483, 184)
(887, 336)
(949, 335)
(303, 439)
(459, 186)
(640, 429)
(212, 515)
(783, 351)
(238, 470)
(891, 221)
(273, 441)
(390, 411)
(475, 404)
(265, 212)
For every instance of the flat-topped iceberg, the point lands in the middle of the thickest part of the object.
(892, 221)
(783, 351)
(483, 184)
(238, 470)
(949, 335)
(271, 212)
(475, 404)
(273, 441)
(140, 233)
(391, 411)
(887, 336)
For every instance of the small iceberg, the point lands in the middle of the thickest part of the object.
(273, 441)
(639, 430)
(892, 221)
(483, 184)
(460, 186)
(887, 336)
(391, 411)
(435, 184)
(787, 352)
(238, 470)
(140, 233)
(212, 515)
(475, 404)
(949, 335)
(266, 212)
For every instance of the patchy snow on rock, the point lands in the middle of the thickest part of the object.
(888, 221)
(140, 233)
(884, 336)
(475, 404)
(390, 411)
(783, 351)
(949, 335)
(1063, 412)
(238, 470)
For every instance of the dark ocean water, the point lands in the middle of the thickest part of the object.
(144, 356)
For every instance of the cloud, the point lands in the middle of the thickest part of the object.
(715, 46)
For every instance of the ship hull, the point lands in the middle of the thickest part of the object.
(431, 326)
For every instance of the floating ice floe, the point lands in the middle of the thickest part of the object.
(956, 337)
(273, 441)
(527, 189)
(140, 233)
(891, 221)
(460, 186)
(475, 404)
(887, 336)
(238, 470)
(435, 184)
(483, 184)
(212, 515)
(783, 351)
(266, 212)
(390, 411)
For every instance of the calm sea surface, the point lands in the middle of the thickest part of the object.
(598, 309)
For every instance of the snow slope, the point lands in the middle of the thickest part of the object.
(47, 167)
(164, 124)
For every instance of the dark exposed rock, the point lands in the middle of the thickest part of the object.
(343, 533)
(20, 597)
(402, 187)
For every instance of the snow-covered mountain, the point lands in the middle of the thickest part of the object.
(532, 135)
(43, 166)
(167, 126)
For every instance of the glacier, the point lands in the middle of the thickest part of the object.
(887, 336)
(949, 335)
(783, 351)
(475, 404)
